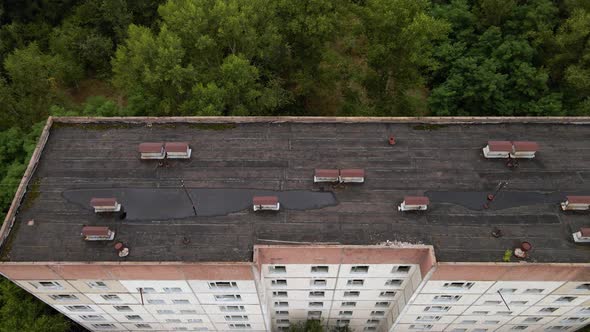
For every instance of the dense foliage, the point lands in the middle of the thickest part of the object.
(278, 57)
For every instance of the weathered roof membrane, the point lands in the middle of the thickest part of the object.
(244, 157)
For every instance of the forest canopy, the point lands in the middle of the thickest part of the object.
(278, 57)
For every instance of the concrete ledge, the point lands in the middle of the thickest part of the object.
(309, 119)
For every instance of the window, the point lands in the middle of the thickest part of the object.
(314, 314)
(122, 308)
(548, 310)
(437, 308)
(383, 304)
(359, 269)
(281, 304)
(519, 327)
(491, 322)
(133, 317)
(235, 318)
(165, 312)
(428, 318)
(146, 290)
(481, 312)
(187, 312)
(155, 301)
(282, 321)
(319, 282)
(583, 287)
(507, 290)
(518, 302)
(111, 297)
(558, 328)
(342, 322)
(458, 285)
(279, 294)
(355, 282)
(348, 304)
(239, 326)
(394, 282)
(228, 297)
(533, 291)
(223, 285)
(281, 313)
(97, 285)
(92, 317)
(532, 319)
(194, 320)
(63, 297)
(352, 294)
(373, 321)
(232, 308)
(277, 269)
(104, 326)
(172, 290)
(377, 313)
(279, 282)
(77, 308)
(387, 294)
(345, 313)
(316, 304)
(370, 328)
(585, 310)
(421, 327)
(317, 294)
(504, 313)
(46, 285)
(319, 269)
(173, 320)
(468, 321)
(566, 299)
(492, 302)
(401, 269)
(574, 320)
(143, 326)
(446, 298)
(181, 301)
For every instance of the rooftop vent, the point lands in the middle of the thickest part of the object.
(152, 150)
(505, 149)
(178, 150)
(105, 205)
(122, 250)
(582, 236)
(576, 203)
(497, 149)
(266, 203)
(352, 175)
(326, 175)
(524, 149)
(414, 203)
(391, 140)
(95, 233)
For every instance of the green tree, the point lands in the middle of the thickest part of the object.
(20, 311)
(400, 36)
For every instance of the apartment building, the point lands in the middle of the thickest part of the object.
(183, 249)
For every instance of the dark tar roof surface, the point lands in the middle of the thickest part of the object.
(272, 159)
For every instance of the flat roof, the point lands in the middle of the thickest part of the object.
(201, 209)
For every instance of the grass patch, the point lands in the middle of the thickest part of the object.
(428, 126)
(32, 194)
(213, 126)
